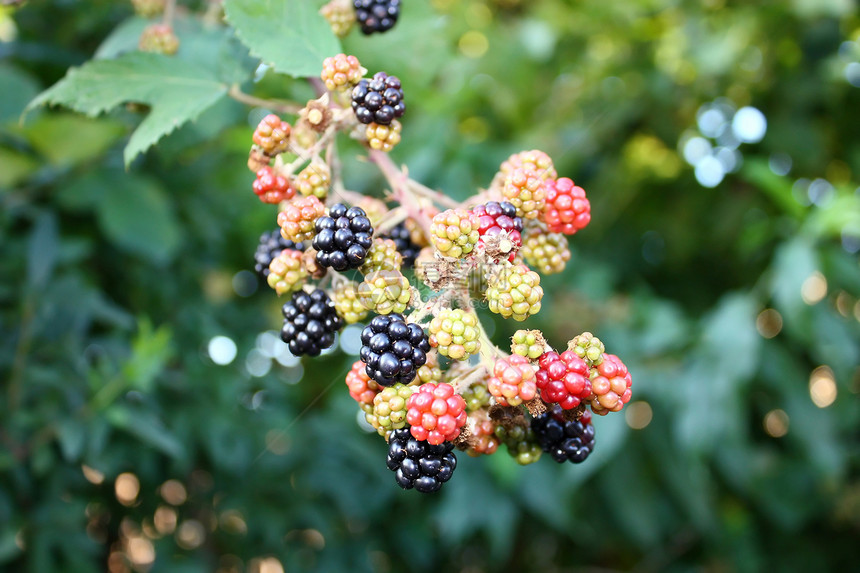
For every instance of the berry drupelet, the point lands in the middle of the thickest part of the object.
(402, 238)
(376, 15)
(378, 100)
(564, 440)
(271, 245)
(310, 322)
(393, 349)
(419, 465)
(343, 237)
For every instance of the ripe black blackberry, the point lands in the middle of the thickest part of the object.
(393, 349)
(564, 440)
(271, 245)
(419, 464)
(378, 100)
(402, 238)
(376, 15)
(310, 322)
(343, 237)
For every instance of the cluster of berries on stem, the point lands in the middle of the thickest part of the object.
(429, 379)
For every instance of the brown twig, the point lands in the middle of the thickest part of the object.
(279, 106)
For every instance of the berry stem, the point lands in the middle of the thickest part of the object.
(434, 196)
(401, 190)
(169, 12)
(279, 106)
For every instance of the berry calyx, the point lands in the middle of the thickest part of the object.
(513, 381)
(418, 464)
(610, 386)
(297, 218)
(310, 322)
(547, 252)
(500, 229)
(376, 15)
(454, 333)
(272, 135)
(454, 233)
(286, 273)
(566, 210)
(514, 291)
(343, 237)
(563, 379)
(436, 413)
(564, 440)
(341, 72)
(393, 349)
(526, 190)
(272, 187)
(270, 246)
(378, 100)
(385, 292)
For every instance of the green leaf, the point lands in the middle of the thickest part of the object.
(289, 34)
(42, 250)
(177, 91)
(147, 428)
(136, 216)
(15, 167)
(18, 89)
(66, 139)
(150, 351)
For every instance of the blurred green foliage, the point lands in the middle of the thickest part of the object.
(735, 307)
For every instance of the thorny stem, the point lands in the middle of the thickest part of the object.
(400, 188)
(434, 196)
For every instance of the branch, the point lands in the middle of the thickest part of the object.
(280, 106)
(400, 188)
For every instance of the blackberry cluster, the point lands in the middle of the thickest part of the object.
(564, 440)
(402, 238)
(376, 15)
(343, 237)
(379, 100)
(393, 349)
(418, 464)
(271, 245)
(310, 322)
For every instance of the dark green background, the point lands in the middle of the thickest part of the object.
(114, 281)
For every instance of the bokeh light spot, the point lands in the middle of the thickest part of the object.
(127, 488)
(814, 288)
(822, 386)
(776, 423)
(768, 323)
(473, 44)
(638, 414)
(749, 125)
(222, 350)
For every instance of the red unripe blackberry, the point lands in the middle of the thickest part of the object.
(362, 389)
(563, 379)
(272, 187)
(567, 209)
(610, 386)
(272, 135)
(436, 413)
(418, 464)
(496, 218)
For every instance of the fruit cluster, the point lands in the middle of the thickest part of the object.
(342, 258)
(372, 16)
